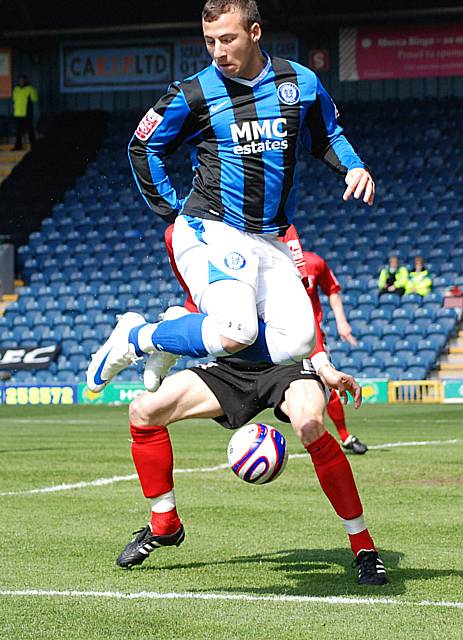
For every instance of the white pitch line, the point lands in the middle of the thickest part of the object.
(9, 419)
(240, 597)
(99, 482)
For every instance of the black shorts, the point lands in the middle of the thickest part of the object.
(245, 389)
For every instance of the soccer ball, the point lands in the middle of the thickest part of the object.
(257, 453)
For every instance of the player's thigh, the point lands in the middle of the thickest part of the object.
(207, 251)
(304, 404)
(180, 396)
(282, 301)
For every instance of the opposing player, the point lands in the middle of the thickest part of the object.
(233, 392)
(245, 116)
(315, 274)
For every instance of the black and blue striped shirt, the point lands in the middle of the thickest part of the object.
(244, 136)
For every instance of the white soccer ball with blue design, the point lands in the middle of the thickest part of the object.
(257, 453)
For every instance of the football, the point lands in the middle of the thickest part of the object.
(257, 453)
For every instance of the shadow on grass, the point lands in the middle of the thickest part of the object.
(311, 572)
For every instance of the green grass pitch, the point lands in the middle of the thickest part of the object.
(258, 562)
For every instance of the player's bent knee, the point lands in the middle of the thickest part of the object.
(141, 410)
(238, 333)
(309, 428)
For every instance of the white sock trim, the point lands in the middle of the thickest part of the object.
(356, 525)
(163, 503)
(145, 341)
(211, 338)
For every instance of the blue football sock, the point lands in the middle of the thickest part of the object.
(182, 336)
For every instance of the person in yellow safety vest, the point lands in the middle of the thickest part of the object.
(393, 278)
(419, 280)
(24, 98)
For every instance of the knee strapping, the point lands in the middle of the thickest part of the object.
(243, 330)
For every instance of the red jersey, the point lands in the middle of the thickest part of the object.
(314, 271)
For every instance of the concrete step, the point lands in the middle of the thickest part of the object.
(456, 349)
(451, 366)
(452, 358)
(455, 374)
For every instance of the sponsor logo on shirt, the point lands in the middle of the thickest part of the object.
(289, 93)
(257, 136)
(148, 124)
(234, 261)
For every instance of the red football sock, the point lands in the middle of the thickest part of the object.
(337, 481)
(153, 458)
(336, 412)
(164, 523)
(361, 542)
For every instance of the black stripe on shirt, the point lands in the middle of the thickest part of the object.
(206, 182)
(244, 109)
(321, 146)
(284, 72)
(139, 157)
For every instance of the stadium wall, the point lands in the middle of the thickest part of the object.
(42, 68)
(375, 391)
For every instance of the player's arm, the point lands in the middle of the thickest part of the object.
(324, 138)
(343, 326)
(163, 128)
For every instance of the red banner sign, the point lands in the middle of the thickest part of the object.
(400, 52)
(5, 73)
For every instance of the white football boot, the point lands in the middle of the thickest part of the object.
(115, 355)
(160, 362)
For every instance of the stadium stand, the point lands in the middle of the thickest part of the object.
(101, 252)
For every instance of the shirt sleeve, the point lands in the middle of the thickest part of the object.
(323, 136)
(328, 282)
(160, 132)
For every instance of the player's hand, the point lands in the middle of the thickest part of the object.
(359, 182)
(342, 382)
(345, 333)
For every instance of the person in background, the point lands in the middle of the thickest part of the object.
(315, 274)
(393, 278)
(419, 280)
(24, 98)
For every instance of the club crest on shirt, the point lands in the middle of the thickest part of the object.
(234, 260)
(148, 124)
(289, 93)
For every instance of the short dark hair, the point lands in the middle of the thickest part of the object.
(213, 9)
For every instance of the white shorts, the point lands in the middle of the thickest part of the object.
(209, 251)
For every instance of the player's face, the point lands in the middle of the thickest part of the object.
(233, 47)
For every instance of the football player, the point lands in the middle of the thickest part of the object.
(315, 274)
(245, 116)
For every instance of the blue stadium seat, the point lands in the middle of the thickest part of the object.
(437, 341)
(382, 313)
(397, 330)
(404, 355)
(425, 311)
(393, 373)
(415, 373)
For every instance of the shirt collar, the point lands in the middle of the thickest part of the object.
(257, 79)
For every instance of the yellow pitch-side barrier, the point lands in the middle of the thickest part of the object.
(416, 391)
